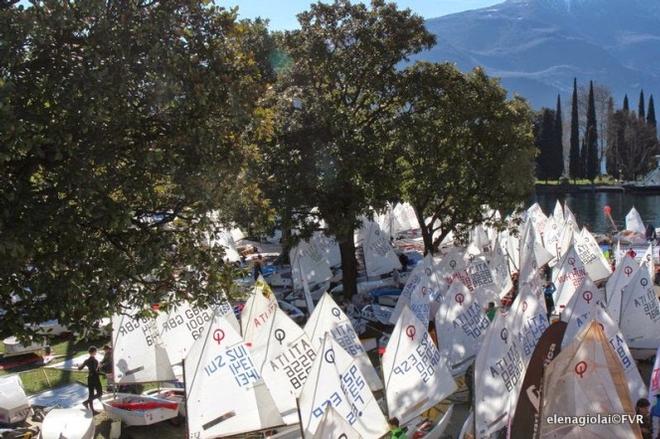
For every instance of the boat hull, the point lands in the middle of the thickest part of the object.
(149, 409)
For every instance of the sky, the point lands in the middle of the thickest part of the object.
(282, 13)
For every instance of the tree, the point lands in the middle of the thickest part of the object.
(557, 169)
(575, 167)
(463, 145)
(642, 106)
(545, 137)
(591, 162)
(634, 144)
(650, 117)
(626, 105)
(122, 126)
(602, 95)
(337, 101)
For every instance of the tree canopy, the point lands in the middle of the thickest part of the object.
(463, 145)
(122, 125)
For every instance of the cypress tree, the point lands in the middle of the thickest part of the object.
(575, 168)
(558, 155)
(591, 164)
(641, 112)
(545, 139)
(626, 106)
(650, 116)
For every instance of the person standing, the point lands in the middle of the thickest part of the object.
(643, 408)
(257, 269)
(490, 311)
(93, 380)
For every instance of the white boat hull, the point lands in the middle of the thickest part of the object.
(13, 347)
(138, 417)
(68, 423)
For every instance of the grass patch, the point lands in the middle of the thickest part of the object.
(37, 378)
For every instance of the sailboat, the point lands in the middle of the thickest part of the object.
(219, 363)
(461, 326)
(640, 314)
(586, 379)
(336, 381)
(623, 274)
(328, 317)
(587, 305)
(416, 376)
(526, 420)
(139, 357)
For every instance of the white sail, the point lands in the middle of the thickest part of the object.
(308, 264)
(483, 281)
(565, 240)
(335, 380)
(591, 256)
(283, 354)
(586, 379)
(551, 236)
(654, 385)
(500, 269)
(537, 217)
(650, 263)
(567, 277)
(328, 317)
(587, 305)
(258, 310)
(181, 326)
(329, 248)
(558, 213)
(379, 256)
(569, 218)
(424, 285)
(461, 325)
(528, 319)
(333, 425)
(416, 376)
(225, 394)
(581, 309)
(623, 274)
(139, 354)
(618, 254)
(499, 371)
(513, 250)
(404, 218)
(636, 385)
(640, 312)
(634, 222)
(531, 246)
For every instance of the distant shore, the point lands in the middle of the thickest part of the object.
(557, 187)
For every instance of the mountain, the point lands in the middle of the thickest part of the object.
(537, 47)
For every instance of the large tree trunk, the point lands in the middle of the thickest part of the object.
(427, 235)
(348, 265)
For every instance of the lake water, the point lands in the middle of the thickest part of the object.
(588, 207)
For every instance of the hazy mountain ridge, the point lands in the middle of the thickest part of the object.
(538, 46)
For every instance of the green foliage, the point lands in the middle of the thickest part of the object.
(545, 134)
(632, 146)
(334, 106)
(122, 124)
(592, 166)
(463, 145)
(575, 164)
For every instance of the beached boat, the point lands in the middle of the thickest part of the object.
(14, 405)
(136, 410)
(68, 423)
(13, 346)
